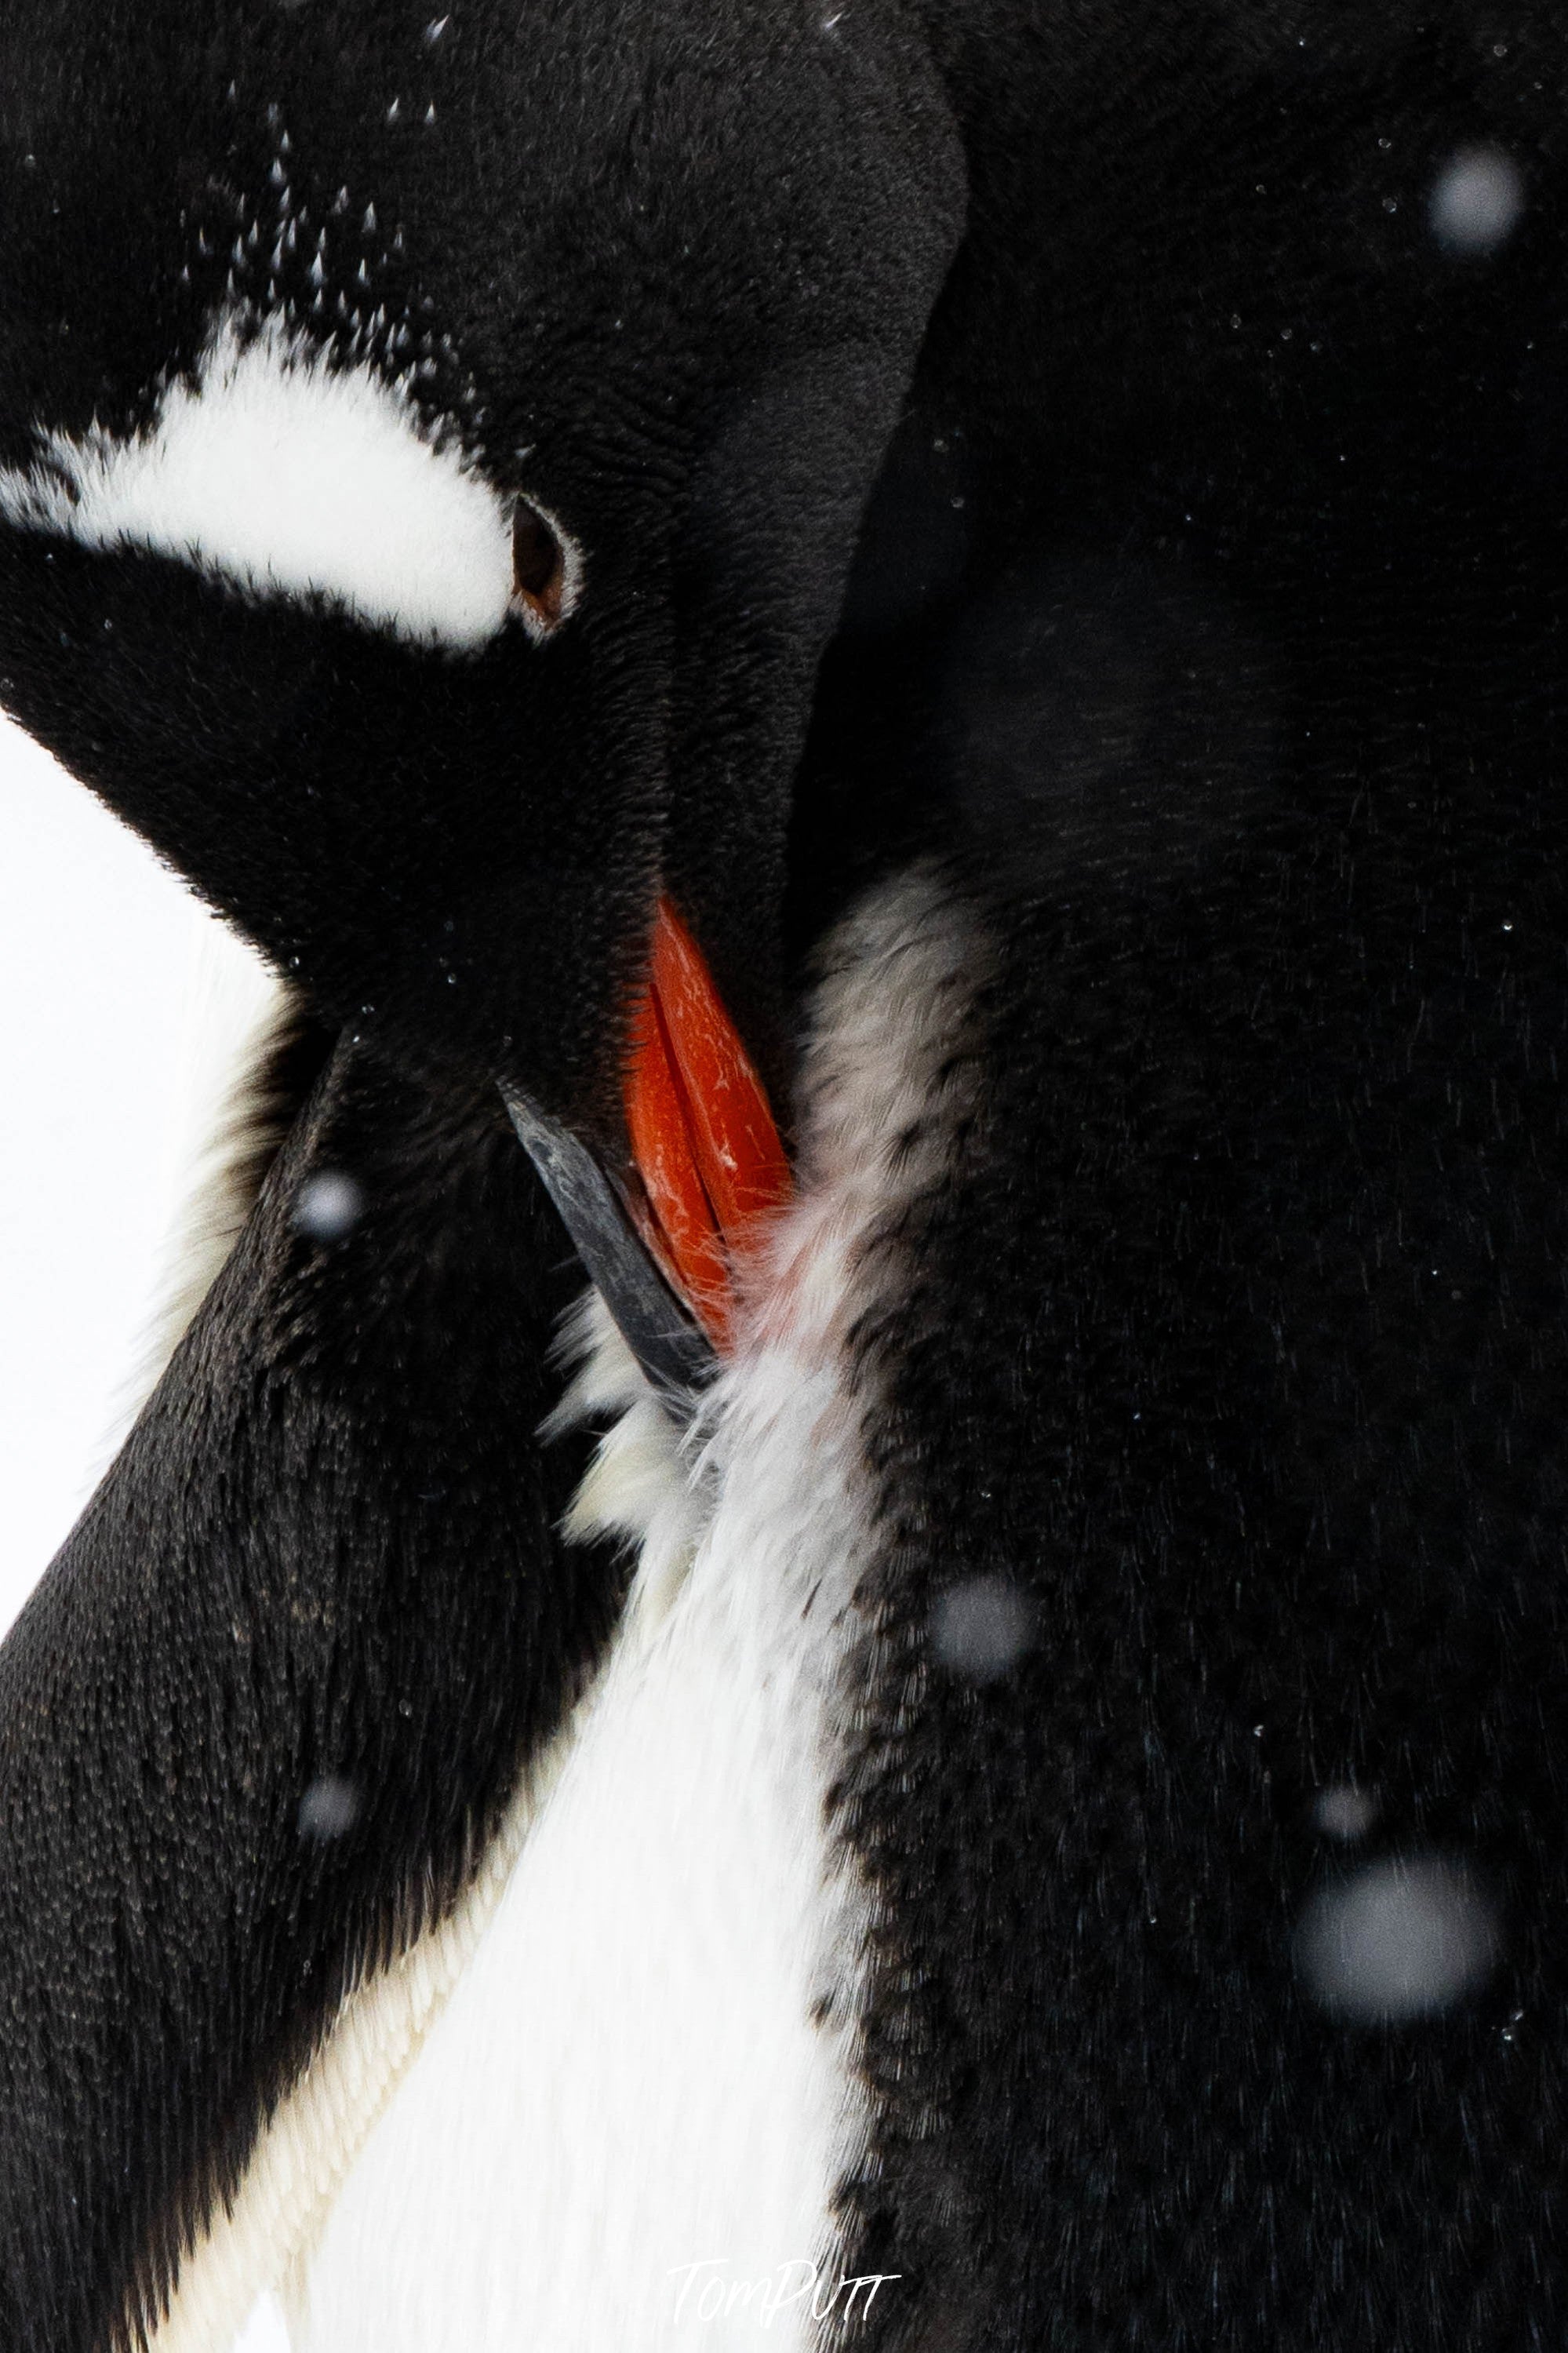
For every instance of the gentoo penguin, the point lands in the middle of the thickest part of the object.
(889, 673)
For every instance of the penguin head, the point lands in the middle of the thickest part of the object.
(432, 449)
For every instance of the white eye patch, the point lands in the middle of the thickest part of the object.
(287, 479)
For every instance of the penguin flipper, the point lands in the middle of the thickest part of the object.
(262, 1715)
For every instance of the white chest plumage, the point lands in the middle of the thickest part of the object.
(628, 2082)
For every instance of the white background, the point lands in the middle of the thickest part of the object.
(126, 1008)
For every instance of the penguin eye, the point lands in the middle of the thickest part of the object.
(538, 570)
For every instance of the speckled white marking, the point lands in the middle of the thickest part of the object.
(282, 476)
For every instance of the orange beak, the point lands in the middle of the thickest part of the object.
(703, 1138)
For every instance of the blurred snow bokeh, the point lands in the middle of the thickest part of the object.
(1477, 201)
(1402, 1938)
(1344, 1811)
(329, 1205)
(981, 1629)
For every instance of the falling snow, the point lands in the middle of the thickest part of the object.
(328, 1808)
(1476, 202)
(1402, 1938)
(981, 1629)
(1345, 1812)
(329, 1205)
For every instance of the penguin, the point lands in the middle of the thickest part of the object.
(845, 1621)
